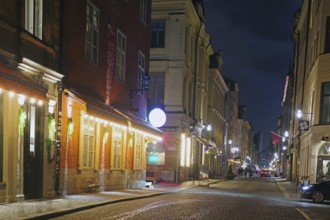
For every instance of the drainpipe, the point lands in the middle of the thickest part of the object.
(58, 141)
(59, 105)
(195, 72)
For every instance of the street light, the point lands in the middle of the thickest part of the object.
(299, 114)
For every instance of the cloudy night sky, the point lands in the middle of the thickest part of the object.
(257, 49)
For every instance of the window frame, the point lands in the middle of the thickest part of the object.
(34, 17)
(117, 154)
(143, 11)
(141, 69)
(327, 35)
(88, 154)
(138, 151)
(322, 101)
(121, 56)
(158, 32)
(92, 30)
(156, 91)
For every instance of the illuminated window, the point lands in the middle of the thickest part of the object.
(138, 152)
(158, 34)
(88, 142)
(143, 10)
(92, 33)
(121, 57)
(141, 70)
(32, 130)
(117, 148)
(33, 17)
(155, 154)
(188, 151)
(183, 150)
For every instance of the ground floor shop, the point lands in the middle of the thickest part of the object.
(26, 163)
(102, 148)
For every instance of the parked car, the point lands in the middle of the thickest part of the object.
(317, 192)
(265, 173)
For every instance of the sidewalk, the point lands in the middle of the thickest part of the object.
(47, 208)
(44, 209)
(288, 188)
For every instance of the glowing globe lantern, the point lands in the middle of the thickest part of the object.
(157, 117)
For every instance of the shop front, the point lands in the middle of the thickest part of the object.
(323, 163)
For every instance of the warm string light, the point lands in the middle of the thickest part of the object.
(22, 98)
(124, 127)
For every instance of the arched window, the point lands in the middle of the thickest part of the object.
(325, 150)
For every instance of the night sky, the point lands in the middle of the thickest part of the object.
(257, 49)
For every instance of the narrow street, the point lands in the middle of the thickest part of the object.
(242, 198)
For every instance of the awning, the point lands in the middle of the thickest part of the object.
(207, 143)
(101, 110)
(201, 140)
(144, 126)
(15, 81)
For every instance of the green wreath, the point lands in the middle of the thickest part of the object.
(70, 127)
(21, 120)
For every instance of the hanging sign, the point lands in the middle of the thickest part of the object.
(303, 125)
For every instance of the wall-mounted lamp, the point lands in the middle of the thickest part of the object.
(145, 85)
(299, 114)
(146, 81)
(324, 139)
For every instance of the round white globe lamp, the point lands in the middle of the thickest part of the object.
(157, 117)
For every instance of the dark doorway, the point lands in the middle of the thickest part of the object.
(33, 152)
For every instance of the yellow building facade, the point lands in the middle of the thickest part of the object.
(309, 132)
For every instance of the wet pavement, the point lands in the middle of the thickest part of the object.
(44, 209)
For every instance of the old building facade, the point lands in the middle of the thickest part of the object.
(309, 131)
(216, 114)
(29, 82)
(105, 133)
(179, 71)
